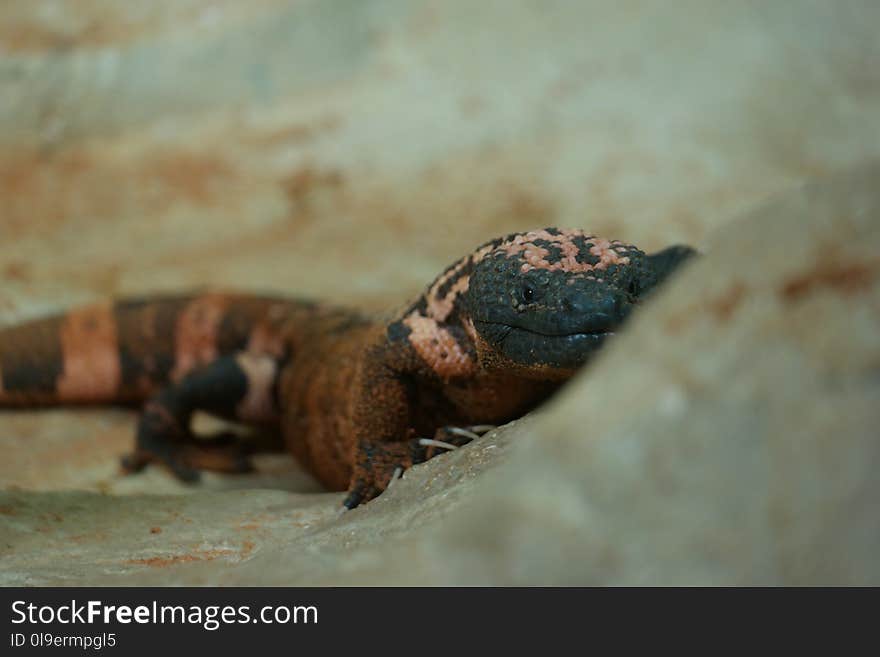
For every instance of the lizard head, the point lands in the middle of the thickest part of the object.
(548, 299)
(536, 304)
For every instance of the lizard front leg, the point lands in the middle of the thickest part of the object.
(385, 443)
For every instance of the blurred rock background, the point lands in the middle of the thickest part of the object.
(350, 150)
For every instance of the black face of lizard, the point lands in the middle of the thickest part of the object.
(552, 297)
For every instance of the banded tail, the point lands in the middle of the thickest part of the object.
(124, 352)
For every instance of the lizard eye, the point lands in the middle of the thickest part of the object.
(527, 293)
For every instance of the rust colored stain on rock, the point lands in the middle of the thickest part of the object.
(77, 184)
(161, 562)
(16, 271)
(196, 555)
(250, 527)
(845, 278)
(297, 133)
(528, 207)
(723, 306)
(199, 178)
(306, 181)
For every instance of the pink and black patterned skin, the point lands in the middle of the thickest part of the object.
(356, 399)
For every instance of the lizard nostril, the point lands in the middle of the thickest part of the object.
(581, 303)
(613, 306)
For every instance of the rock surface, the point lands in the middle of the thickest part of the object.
(350, 151)
(729, 436)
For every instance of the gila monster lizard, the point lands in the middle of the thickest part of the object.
(354, 397)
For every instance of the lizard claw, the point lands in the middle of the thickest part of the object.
(379, 464)
(458, 436)
(482, 429)
(361, 491)
(354, 498)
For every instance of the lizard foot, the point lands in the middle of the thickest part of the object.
(160, 439)
(378, 465)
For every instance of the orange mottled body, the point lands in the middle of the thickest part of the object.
(356, 399)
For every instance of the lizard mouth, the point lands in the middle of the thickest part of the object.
(530, 347)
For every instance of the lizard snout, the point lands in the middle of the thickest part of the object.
(595, 311)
